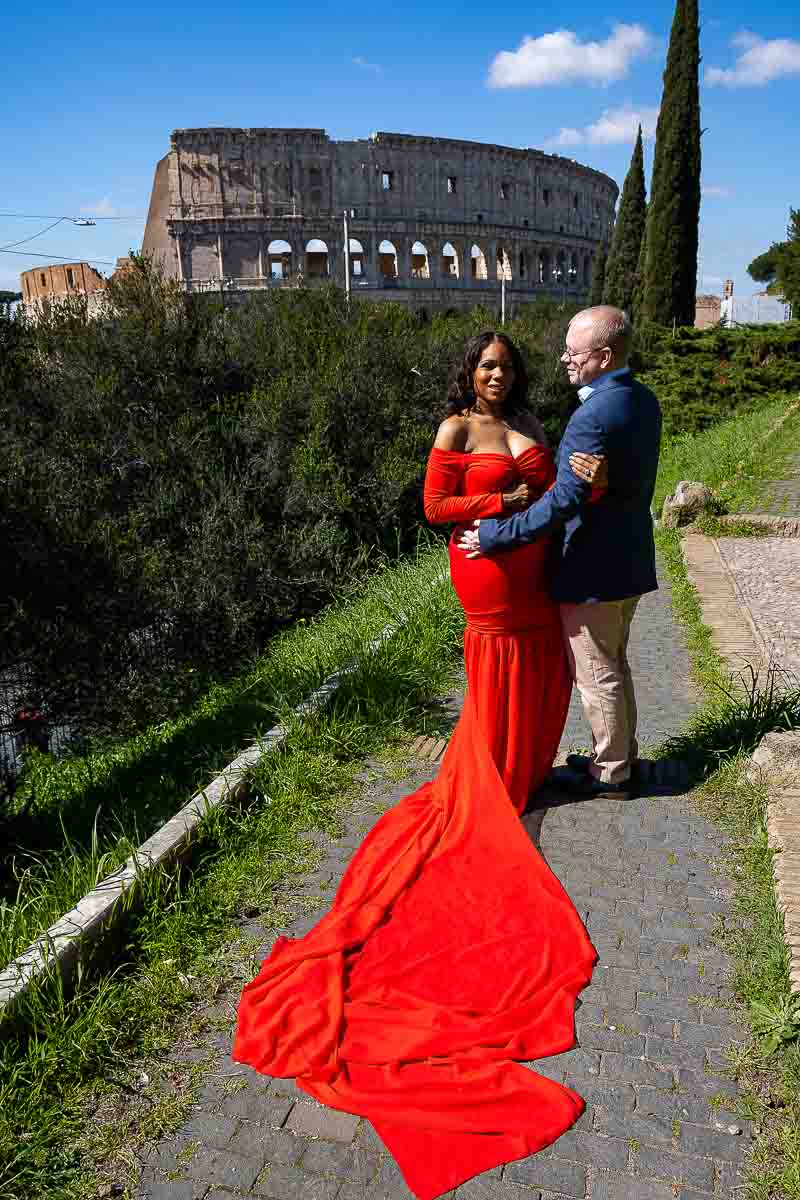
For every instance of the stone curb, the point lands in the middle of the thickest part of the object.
(783, 836)
(95, 914)
(724, 610)
(778, 526)
(737, 638)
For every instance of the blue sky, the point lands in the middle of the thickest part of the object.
(92, 92)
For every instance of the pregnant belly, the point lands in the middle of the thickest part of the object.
(506, 593)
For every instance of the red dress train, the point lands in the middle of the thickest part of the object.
(450, 950)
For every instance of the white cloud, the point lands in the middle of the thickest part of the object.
(366, 65)
(714, 191)
(614, 126)
(101, 208)
(560, 57)
(759, 63)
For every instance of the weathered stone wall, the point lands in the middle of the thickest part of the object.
(255, 205)
(706, 311)
(59, 280)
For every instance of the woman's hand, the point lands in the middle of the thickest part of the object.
(591, 468)
(517, 500)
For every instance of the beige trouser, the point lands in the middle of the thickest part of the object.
(596, 637)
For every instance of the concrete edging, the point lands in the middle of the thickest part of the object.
(738, 639)
(724, 610)
(59, 947)
(778, 526)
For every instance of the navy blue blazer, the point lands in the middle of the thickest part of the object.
(607, 550)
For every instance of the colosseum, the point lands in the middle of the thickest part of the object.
(431, 221)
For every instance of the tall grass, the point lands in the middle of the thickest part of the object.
(58, 1046)
(91, 810)
(730, 457)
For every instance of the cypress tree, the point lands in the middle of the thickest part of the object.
(626, 244)
(598, 277)
(638, 284)
(670, 279)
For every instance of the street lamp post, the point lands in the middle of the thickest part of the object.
(558, 276)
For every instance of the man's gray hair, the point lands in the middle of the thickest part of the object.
(610, 327)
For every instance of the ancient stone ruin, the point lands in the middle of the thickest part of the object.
(431, 220)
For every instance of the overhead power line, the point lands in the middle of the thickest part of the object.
(106, 262)
(33, 236)
(66, 217)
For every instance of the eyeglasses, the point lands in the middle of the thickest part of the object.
(571, 356)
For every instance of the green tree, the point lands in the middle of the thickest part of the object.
(670, 279)
(637, 303)
(764, 268)
(626, 244)
(598, 277)
(779, 267)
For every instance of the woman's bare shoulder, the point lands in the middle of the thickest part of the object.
(452, 434)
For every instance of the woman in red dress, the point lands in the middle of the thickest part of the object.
(451, 953)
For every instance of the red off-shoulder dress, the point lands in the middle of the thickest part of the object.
(451, 953)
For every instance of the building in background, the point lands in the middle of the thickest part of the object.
(706, 311)
(431, 220)
(758, 309)
(58, 281)
(62, 281)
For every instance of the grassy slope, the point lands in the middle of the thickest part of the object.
(734, 460)
(67, 1048)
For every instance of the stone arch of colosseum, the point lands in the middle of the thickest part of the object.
(430, 219)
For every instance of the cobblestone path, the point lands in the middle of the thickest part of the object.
(651, 1028)
(766, 574)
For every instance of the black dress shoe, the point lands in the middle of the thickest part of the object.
(581, 783)
(579, 762)
(582, 762)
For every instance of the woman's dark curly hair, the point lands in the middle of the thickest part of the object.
(460, 394)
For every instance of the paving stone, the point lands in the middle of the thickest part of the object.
(259, 1107)
(212, 1129)
(632, 1070)
(704, 1037)
(680, 1106)
(489, 1188)
(714, 1143)
(704, 1083)
(316, 1121)
(348, 1162)
(222, 1167)
(390, 1184)
(675, 1054)
(682, 1168)
(287, 1183)
(598, 1037)
(569, 1179)
(275, 1145)
(368, 1139)
(172, 1189)
(611, 1093)
(597, 1150)
(579, 1061)
(653, 1130)
(288, 1087)
(609, 1186)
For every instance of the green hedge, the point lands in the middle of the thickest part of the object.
(180, 480)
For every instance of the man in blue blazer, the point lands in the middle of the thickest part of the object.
(607, 556)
